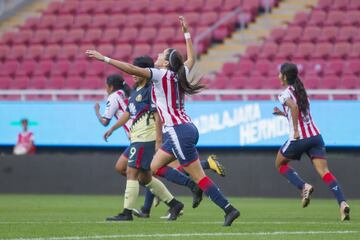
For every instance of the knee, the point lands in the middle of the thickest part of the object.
(121, 169)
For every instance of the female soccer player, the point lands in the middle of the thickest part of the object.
(118, 93)
(170, 84)
(304, 137)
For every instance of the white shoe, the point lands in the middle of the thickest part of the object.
(344, 211)
(306, 193)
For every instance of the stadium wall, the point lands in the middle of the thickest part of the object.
(250, 172)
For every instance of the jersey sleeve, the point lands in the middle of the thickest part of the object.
(285, 95)
(111, 108)
(156, 74)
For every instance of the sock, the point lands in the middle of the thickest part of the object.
(131, 194)
(173, 175)
(159, 189)
(291, 176)
(331, 181)
(181, 169)
(149, 198)
(205, 164)
(213, 192)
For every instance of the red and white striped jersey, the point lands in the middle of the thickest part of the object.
(116, 106)
(25, 138)
(168, 97)
(306, 125)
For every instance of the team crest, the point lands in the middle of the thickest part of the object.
(138, 98)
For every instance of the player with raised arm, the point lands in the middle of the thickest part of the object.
(304, 137)
(170, 84)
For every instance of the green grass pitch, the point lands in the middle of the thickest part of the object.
(74, 217)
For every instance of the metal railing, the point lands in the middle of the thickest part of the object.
(217, 93)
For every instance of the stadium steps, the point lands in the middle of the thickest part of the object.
(33, 9)
(254, 34)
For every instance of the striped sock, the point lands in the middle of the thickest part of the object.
(331, 181)
(205, 164)
(291, 176)
(149, 198)
(213, 192)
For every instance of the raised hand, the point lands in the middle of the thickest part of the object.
(184, 25)
(94, 54)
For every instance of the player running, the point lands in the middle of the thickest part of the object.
(304, 137)
(171, 83)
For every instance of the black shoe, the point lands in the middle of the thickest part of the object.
(141, 213)
(175, 211)
(197, 196)
(124, 216)
(231, 216)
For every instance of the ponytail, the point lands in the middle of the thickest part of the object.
(118, 83)
(291, 72)
(176, 64)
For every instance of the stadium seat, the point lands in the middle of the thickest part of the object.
(317, 18)
(58, 36)
(82, 21)
(334, 18)
(165, 35)
(53, 8)
(112, 35)
(261, 68)
(252, 52)
(73, 82)
(45, 22)
(37, 82)
(99, 21)
(146, 35)
(5, 82)
(23, 37)
(355, 51)
(120, 7)
(135, 20)
(310, 34)
(322, 50)
(352, 67)
(117, 21)
(304, 51)
(17, 52)
(277, 35)
(64, 22)
(34, 52)
(212, 5)
(354, 5)
(43, 68)
(340, 4)
(328, 34)
(69, 51)
(128, 35)
(153, 20)
(20, 82)
(244, 68)
(26, 69)
(331, 82)
(300, 19)
(312, 82)
(174, 6)
(70, 7)
(31, 23)
(4, 51)
(293, 34)
(87, 6)
(78, 68)
(8, 38)
(41, 36)
(324, 4)
(123, 52)
(229, 68)
(352, 18)
(74, 36)
(92, 36)
(286, 51)
(104, 7)
(59, 69)
(139, 6)
(193, 6)
(346, 34)
(207, 19)
(55, 82)
(350, 82)
(334, 67)
(269, 50)
(341, 50)
(141, 49)
(157, 6)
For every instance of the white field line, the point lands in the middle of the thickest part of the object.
(165, 222)
(182, 235)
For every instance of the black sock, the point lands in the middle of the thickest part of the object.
(228, 209)
(127, 211)
(172, 203)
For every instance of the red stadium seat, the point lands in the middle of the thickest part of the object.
(229, 68)
(147, 35)
(340, 4)
(331, 82)
(51, 52)
(74, 36)
(139, 6)
(328, 34)
(64, 21)
(70, 7)
(9, 68)
(322, 50)
(174, 6)
(58, 36)
(312, 82)
(120, 7)
(135, 20)
(304, 51)
(324, 4)
(68, 52)
(78, 68)
(208, 18)
(300, 19)
(106, 49)
(317, 18)
(310, 34)
(55, 82)
(293, 34)
(341, 50)
(244, 68)
(334, 18)
(334, 67)
(17, 52)
(8, 37)
(141, 49)
(23, 37)
(123, 52)
(254, 82)
(261, 68)
(60, 68)
(99, 21)
(117, 21)
(157, 6)
(355, 51)
(92, 36)
(352, 67)
(73, 82)
(20, 82)
(46, 22)
(31, 23)
(34, 52)
(269, 50)
(53, 8)
(252, 52)
(165, 35)
(277, 35)
(95, 69)
(315, 67)
(5, 82)
(111, 35)
(128, 35)
(192, 19)
(347, 34)
(104, 6)
(354, 5)
(350, 82)
(352, 18)
(43, 68)
(230, 5)
(87, 6)
(172, 20)
(192, 6)
(286, 51)
(40, 37)
(153, 20)
(37, 82)
(82, 21)
(212, 5)
(4, 51)
(221, 33)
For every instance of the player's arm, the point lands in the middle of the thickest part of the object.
(191, 57)
(102, 120)
(158, 126)
(123, 66)
(124, 118)
(294, 114)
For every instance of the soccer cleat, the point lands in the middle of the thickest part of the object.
(197, 196)
(168, 215)
(306, 193)
(175, 211)
(215, 165)
(231, 216)
(140, 213)
(120, 217)
(344, 211)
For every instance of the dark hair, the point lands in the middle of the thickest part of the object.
(118, 83)
(176, 64)
(290, 70)
(24, 120)
(144, 62)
